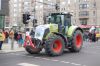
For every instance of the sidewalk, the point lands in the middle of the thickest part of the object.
(6, 48)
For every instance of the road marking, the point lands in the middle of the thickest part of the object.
(45, 58)
(76, 64)
(27, 64)
(37, 57)
(64, 62)
(55, 60)
(17, 54)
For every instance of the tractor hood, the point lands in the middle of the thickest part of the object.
(42, 30)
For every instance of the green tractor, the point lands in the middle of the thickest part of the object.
(55, 36)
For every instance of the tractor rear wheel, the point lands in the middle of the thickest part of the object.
(54, 46)
(77, 41)
(31, 50)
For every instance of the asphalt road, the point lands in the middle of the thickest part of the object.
(88, 56)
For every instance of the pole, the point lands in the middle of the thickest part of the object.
(12, 43)
(12, 39)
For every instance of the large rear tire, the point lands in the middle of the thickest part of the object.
(77, 41)
(54, 46)
(31, 50)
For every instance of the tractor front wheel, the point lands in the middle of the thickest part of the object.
(31, 50)
(77, 41)
(54, 46)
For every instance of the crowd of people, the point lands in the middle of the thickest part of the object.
(90, 35)
(11, 35)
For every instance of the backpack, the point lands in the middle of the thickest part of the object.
(7, 35)
(18, 37)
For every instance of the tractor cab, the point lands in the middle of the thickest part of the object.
(62, 19)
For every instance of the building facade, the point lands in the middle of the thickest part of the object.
(16, 12)
(42, 9)
(4, 13)
(85, 12)
(98, 11)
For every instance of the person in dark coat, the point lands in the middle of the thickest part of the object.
(15, 35)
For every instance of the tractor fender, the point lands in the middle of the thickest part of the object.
(55, 33)
(72, 29)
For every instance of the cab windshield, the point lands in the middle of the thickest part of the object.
(55, 19)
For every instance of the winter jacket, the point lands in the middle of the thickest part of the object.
(2, 36)
(11, 34)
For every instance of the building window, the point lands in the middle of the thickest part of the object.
(94, 13)
(83, 6)
(94, 5)
(7, 24)
(83, 13)
(64, 9)
(83, 21)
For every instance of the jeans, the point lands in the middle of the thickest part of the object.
(1, 45)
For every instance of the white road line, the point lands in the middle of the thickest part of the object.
(55, 60)
(27, 64)
(76, 64)
(45, 58)
(64, 62)
(17, 54)
(38, 57)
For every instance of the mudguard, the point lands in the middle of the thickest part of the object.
(72, 29)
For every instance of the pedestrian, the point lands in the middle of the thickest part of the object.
(6, 35)
(11, 36)
(15, 35)
(32, 33)
(2, 38)
(20, 39)
(27, 32)
(92, 33)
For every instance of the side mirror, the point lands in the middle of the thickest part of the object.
(48, 19)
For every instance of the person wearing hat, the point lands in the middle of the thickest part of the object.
(2, 38)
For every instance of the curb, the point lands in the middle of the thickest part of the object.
(12, 51)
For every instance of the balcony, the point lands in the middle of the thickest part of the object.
(85, 16)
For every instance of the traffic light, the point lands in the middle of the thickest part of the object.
(57, 7)
(25, 18)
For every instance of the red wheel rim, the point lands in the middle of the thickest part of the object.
(78, 41)
(57, 46)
